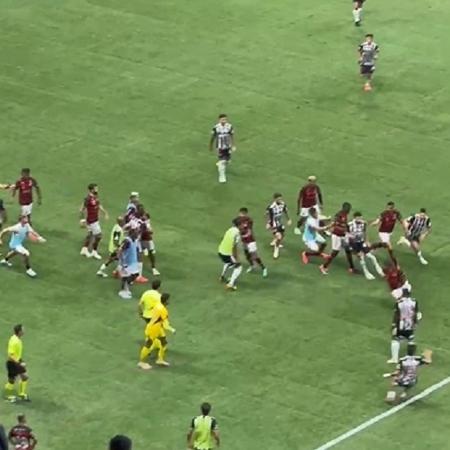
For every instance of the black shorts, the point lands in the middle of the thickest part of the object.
(14, 369)
(404, 334)
(366, 69)
(405, 382)
(413, 238)
(278, 229)
(359, 247)
(224, 154)
(227, 259)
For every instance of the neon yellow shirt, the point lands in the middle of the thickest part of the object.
(15, 348)
(203, 426)
(229, 241)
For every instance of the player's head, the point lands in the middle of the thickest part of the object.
(165, 298)
(133, 232)
(205, 408)
(23, 220)
(93, 188)
(21, 419)
(134, 197)
(235, 223)
(243, 212)
(19, 330)
(347, 207)
(277, 197)
(120, 221)
(422, 212)
(411, 349)
(25, 173)
(120, 442)
(313, 212)
(357, 215)
(390, 205)
(369, 37)
(406, 293)
(223, 119)
(140, 209)
(312, 179)
(156, 284)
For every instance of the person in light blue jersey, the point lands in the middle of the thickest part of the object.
(128, 262)
(19, 233)
(312, 238)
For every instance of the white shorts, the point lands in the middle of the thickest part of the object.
(304, 212)
(385, 238)
(337, 242)
(314, 245)
(397, 293)
(21, 250)
(252, 247)
(25, 210)
(129, 271)
(94, 228)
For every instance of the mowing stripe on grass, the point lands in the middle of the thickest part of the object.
(383, 415)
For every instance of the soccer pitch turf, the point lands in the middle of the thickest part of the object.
(124, 94)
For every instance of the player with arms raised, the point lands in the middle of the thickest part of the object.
(25, 186)
(222, 137)
(368, 53)
(89, 216)
(310, 196)
(339, 230)
(418, 227)
(249, 242)
(274, 216)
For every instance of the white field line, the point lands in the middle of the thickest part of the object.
(383, 415)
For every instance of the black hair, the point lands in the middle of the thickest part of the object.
(244, 210)
(205, 408)
(235, 222)
(411, 349)
(21, 418)
(391, 203)
(357, 214)
(369, 35)
(346, 205)
(221, 116)
(406, 292)
(92, 186)
(26, 170)
(156, 284)
(312, 210)
(423, 210)
(277, 195)
(120, 442)
(18, 328)
(164, 297)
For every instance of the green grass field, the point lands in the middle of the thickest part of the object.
(124, 94)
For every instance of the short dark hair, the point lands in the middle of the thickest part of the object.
(244, 210)
(92, 186)
(235, 222)
(205, 407)
(120, 442)
(369, 35)
(156, 284)
(164, 297)
(221, 116)
(346, 205)
(357, 214)
(406, 292)
(391, 203)
(423, 210)
(411, 349)
(21, 418)
(312, 210)
(18, 328)
(26, 170)
(277, 195)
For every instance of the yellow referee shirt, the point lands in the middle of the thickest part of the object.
(15, 348)
(148, 301)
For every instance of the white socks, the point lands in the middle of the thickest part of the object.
(221, 168)
(395, 350)
(225, 268)
(235, 274)
(367, 274)
(357, 15)
(140, 266)
(374, 261)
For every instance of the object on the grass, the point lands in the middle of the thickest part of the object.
(428, 356)
(391, 396)
(83, 223)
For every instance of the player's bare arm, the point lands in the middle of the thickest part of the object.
(105, 213)
(38, 192)
(375, 222)
(83, 210)
(216, 436)
(286, 214)
(189, 438)
(3, 232)
(212, 139)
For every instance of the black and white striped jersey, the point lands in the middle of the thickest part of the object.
(418, 224)
(357, 230)
(406, 311)
(275, 213)
(408, 368)
(223, 135)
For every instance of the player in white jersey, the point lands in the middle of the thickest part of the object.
(406, 317)
(312, 238)
(357, 11)
(19, 233)
(222, 138)
(357, 238)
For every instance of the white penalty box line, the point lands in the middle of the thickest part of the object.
(384, 415)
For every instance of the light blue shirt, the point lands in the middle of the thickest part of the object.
(19, 233)
(129, 256)
(310, 232)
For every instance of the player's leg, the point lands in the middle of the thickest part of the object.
(6, 260)
(140, 279)
(278, 239)
(415, 245)
(23, 385)
(301, 220)
(395, 346)
(111, 258)
(357, 9)
(152, 257)
(237, 270)
(145, 353)
(125, 282)
(87, 244)
(223, 158)
(336, 245)
(12, 374)
(227, 264)
(372, 258)
(97, 237)
(362, 261)
(162, 352)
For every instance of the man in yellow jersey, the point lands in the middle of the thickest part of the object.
(149, 300)
(16, 367)
(116, 239)
(155, 334)
(204, 431)
(228, 253)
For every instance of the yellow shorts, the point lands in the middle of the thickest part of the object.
(153, 332)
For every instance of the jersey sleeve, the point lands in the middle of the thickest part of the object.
(192, 423)
(428, 222)
(214, 424)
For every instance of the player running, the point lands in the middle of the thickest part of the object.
(406, 317)
(228, 253)
(115, 241)
(339, 230)
(19, 233)
(406, 375)
(357, 11)
(357, 238)
(312, 238)
(368, 53)
(310, 196)
(21, 435)
(25, 186)
(249, 242)
(418, 227)
(3, 214)
(128, 263)
(274, 216)
(396, 280)
(222, 137)
(89, 217)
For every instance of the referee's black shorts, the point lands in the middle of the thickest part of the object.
(14, 369)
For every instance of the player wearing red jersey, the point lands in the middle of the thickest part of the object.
(21, 435)
(386, 223)
(89, 215)
(25, 185)
(249, 242)
(310, 196)
(146, 238)
(339, 231)
(396, 280)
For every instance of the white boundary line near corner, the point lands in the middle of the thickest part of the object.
(384, 415)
